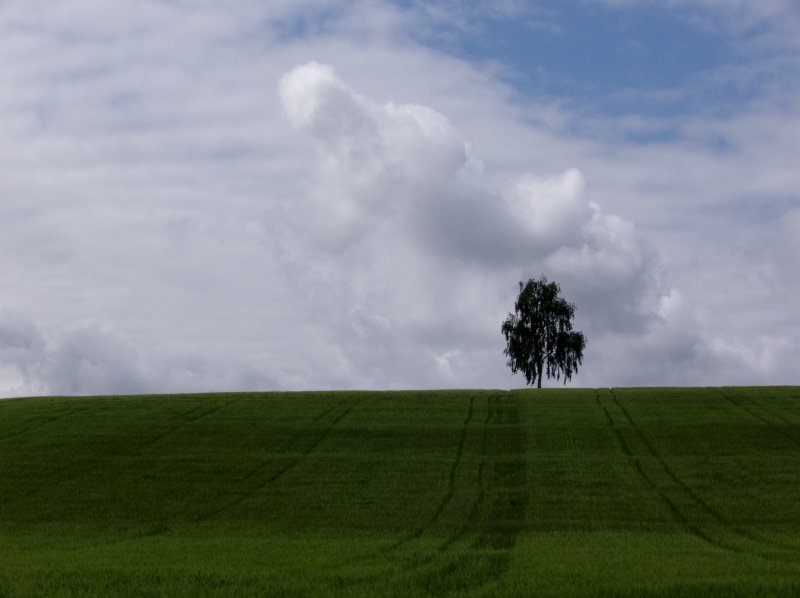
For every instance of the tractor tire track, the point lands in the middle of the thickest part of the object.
(506, 514)
(502, 499)
(182, 424)
(294, 440)
(187, 419)
(451, 483)
(677, 514)
(310, 449)
(496, 515)
(42, 422)
(715, 515)
(752, 411)
(654, 452)
(481, 482)
(770, 410)
(276, 475)
(419, 563)
(79, 474)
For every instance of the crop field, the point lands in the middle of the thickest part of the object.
(659, 492)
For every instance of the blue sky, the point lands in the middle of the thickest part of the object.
(326, 194)
(591, 54)
(646, 59)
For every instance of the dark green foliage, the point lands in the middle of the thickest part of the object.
(539, 336)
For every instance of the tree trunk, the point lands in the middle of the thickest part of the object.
(539, 372)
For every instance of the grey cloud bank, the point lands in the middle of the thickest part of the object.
(188, 202)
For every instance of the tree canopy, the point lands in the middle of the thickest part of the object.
(539, 336)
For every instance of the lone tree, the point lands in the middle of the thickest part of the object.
(539, 335)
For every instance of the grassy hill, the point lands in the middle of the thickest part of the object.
(656, 492)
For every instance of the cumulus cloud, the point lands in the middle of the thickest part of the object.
(90, 359)
(376, 161)
(363, 227)
(83, 360)
(405, 167)
(679, 350)
(21, 349)
(432, 217)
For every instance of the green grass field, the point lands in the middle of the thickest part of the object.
(673, 492)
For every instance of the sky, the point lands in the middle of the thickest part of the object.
(319, 194)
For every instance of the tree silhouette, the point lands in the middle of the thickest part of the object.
(539, 335)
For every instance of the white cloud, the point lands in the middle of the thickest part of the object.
(88, 360)
(154, 184)
(551, 209)
(446, 230)
(21, 347)
(406, 163)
